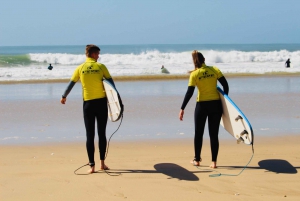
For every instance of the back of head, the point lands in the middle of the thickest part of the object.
(198, 59)
(90, 49)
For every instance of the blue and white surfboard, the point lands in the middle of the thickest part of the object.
(234, 121)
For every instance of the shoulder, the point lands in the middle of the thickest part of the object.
(194, 73)
(100, 65)
(215, 69)
(78, 67)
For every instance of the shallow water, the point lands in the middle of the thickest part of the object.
(32, 113)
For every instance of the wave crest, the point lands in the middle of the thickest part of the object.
(58, 58)
(155, 57)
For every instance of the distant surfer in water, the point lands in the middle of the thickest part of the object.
(50, 67)
(208, 105)
(164, 70)
(91, 73)
(287, 63)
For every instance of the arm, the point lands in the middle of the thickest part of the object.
(187, 98)
(67, 91)
(112, 82)
(224, 83)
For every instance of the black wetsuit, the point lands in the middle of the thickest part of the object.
(211, 110)
(95, 109)
(288, 63)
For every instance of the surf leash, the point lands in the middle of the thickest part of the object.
(109, 173)
(114, 173)
(220, 174)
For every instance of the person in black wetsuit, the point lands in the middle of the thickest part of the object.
(50, 67)
(287, 63)
(208, 105)
(91, 73)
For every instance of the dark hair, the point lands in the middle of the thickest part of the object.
(198, 59)
(90, 49)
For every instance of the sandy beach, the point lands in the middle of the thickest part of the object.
(42, 142)
(152, 170)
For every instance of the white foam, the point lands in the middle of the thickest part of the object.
(10, 138)
(57, 58)
(150, 63)
(157, 58)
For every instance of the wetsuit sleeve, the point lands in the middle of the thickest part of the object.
(112, 82)
(68, 89)
(224, 83)
(188, 96)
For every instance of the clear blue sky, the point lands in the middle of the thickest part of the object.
(113, 22)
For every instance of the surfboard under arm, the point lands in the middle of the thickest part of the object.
(114, 108)
(234, 121)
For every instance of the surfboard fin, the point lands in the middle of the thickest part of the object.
(238, 118)
(244, 132)
(238, 141)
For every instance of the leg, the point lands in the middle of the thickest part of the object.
(89, 121)
(101, 128)
(200, 119)
(214, 118)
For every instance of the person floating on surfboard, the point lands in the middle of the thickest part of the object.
(208, 105)
(164, 70)
(91, 74)
(287, 63)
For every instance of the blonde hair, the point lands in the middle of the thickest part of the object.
(90, 49)
(198, 59)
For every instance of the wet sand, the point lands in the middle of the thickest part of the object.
(32, 113)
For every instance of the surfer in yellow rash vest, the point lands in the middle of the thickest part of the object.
(91, 74)
(208, 105)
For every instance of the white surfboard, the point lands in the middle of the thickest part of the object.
(234, 121)
(114, 108)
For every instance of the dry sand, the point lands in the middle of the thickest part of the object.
(152, 170)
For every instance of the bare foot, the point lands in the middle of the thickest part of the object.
(213, 165)
(195, 163)
(104, 167)
(92, 170)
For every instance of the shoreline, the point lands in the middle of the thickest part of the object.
(222, 139)
(228, 140)
(129, 78)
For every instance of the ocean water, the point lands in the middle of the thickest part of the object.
(32, 112)
(31, 62)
